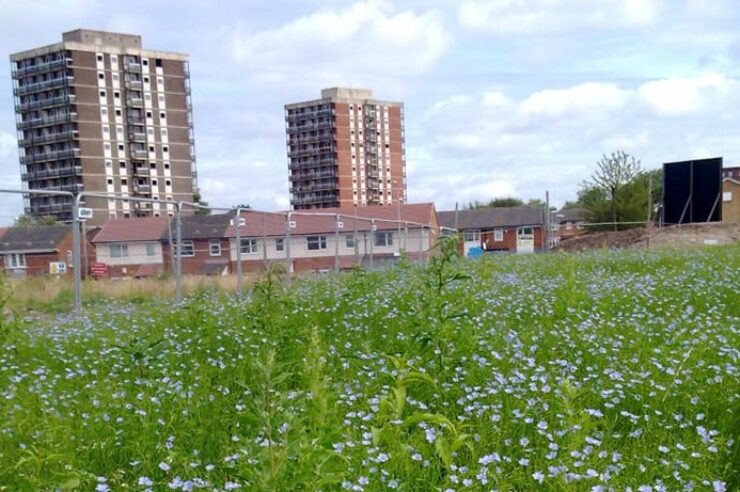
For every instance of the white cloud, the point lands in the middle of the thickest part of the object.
(589, 97)
(519, 17)
(366, 38)
(679, 95)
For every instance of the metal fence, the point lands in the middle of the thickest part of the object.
(300, 241)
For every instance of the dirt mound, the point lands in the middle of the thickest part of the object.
(692, 234)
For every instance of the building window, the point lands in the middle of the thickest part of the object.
(101, 76)
(118, 250)
(470, 236)
(279, 244)
(383, 239)
(498, 234)
(187, 248)
(15, 261)
(315, 243)
(214, 247)
(248, 246)
(349, 239)
(726, 196)
(150, 251)
(568, 226)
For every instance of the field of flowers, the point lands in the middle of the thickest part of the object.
(591, 372)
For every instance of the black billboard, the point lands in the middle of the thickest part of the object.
(692, 191)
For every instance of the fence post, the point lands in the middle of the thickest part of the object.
(238, 241)
(372, 243)
(77, 270)
(287, 245)
(178, 254)
(406, 237)
(336, 243)
(421, 244)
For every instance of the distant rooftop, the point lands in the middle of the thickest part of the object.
(103, 38)
(346, 93)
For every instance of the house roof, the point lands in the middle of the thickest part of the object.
(32, 239)
(132, 229)
(487, 218)
(571, 214)
(734, 181)
(258, 224)
(200, 227)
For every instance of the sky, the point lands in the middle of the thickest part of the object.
(502, 97)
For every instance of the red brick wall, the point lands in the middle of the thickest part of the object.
(509, 241)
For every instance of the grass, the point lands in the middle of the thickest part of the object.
(600, 371)
(54, 295)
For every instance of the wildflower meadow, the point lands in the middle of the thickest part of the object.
(586, 372)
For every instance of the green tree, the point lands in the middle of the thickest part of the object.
(27, 220)
(199, 200)
(609, 181)
(496, 202)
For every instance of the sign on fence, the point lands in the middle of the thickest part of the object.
(57, 267)
(98, 269)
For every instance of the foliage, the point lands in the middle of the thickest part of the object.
(618, 191)
(600, 371)
(204, 210)
(496, 202)
(27, 220)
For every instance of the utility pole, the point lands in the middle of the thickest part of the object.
(649, 222)
(548, 228)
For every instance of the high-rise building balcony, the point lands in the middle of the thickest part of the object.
(132, 66)
(137, 137)
(135, 119)
(48, 120)
(313, 174)
(313, 198)
(324, 137)
(49, 138)
(311, 164)
(50, 155)
(143, 188)
(74, 187)
(139, 153)
(45, 85)
(308, 114)
(49, 66)
(51, 173)
(134, 85)
(47, 102)
(135, 102)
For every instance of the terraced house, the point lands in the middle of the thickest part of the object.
(99, 113)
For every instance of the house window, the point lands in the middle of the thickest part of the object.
(214, 247)
(383, 239)
(568, 226)
(248, 246)
(349, 239)
(150, 251)
(315, 243)
(498, 234)
(118, 250)
(726, 196)
(187, 248)
(279, 244)
(15, 260)
(470, 236)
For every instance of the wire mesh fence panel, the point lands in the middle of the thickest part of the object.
(186, 240)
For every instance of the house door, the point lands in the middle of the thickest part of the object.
(525, 240)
